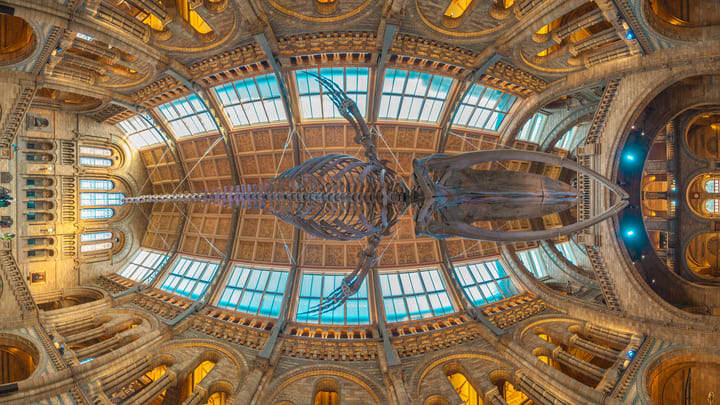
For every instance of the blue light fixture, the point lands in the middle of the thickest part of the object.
(630, 233)
(629, 156)
(630, 35)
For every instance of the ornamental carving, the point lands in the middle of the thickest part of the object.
(316, 43)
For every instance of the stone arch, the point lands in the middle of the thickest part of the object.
(350, 380)
(697, 23)
(667, 372)
(227, 375)
(702, 135)
(19, 358)
(491, 362)
(701, 255)
(18, 40)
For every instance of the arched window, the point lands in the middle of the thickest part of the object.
(101, 199)
(95, 247)
(712, 206)
(95, 184)
(95, 162)
(712, 186)
(192, 380)
(96, 213)
(218, 398)
(326, 393)
(464, 389)
(94, 151)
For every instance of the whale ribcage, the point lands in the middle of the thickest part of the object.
(335, 197)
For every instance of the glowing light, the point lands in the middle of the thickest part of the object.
(630, 232)
(630, 157)
(630, 35)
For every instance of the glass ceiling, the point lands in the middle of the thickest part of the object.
(406, 95)
(406, 295)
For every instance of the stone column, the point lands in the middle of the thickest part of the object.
(154, 389)
(578, 365)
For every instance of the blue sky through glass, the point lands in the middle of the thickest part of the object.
(414, 295)
(254, 291)
(485, 282)
(313, 290)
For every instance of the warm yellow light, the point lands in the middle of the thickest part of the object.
(192, 17)
(464, 389)
(544, 30)
(457, 8)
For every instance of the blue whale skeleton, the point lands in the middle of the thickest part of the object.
(340, 197)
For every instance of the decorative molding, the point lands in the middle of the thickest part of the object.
(16, 118)
(17, 283)
(230, 331)
(513, 310)
(329, 349)
(526, 83)
(320, 43)
(437, 51)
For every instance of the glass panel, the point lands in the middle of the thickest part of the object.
(313, 101)
(101, 199)
(533, 128)
(96, 162)
(96, 213)
(254, 291)
(144, 266)
(141, 132)
(95, 236)
(194, 276)
(483, 107)
(712, 205)
(712, 186)
(93, 151)
(187, 116)
(314, 288)
(94, 184)
(484, 282)
(414, 295)
(414, 96)
(251, 101)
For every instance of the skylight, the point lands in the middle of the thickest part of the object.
(484, 282)
(253, 291)
(187, 116)
(190, 277)
(140, 132)
(413, 96)
(567, 250)
(144, 266)
(252, 101)
(531, 260)
(572, 138)
(532, 129)
(483, 107)
(414, 295)
(315, 104)
(314, 288)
